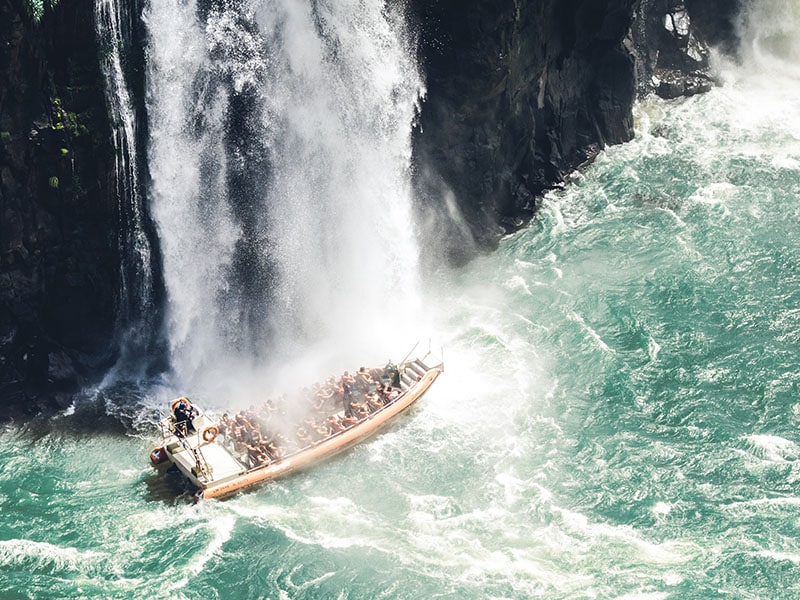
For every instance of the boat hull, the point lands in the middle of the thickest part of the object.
(218, 470)
(324, 449)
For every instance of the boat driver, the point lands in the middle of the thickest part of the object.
(183, 414)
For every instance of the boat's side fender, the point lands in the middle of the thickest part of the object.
(158, 456)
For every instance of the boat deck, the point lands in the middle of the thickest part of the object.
(222, 464)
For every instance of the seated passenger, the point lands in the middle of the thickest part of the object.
(359, 410)
(321, 431)
(271, 450)
(349, 421)
(374, 401)
(333, 424)
(255, 456)
(303, 438)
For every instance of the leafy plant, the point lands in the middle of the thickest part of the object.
(36, 8)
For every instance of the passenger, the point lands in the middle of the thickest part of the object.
(333, 424)
(303, 438)
(363, 380)
(224, 425)
(255, 456)
(322, 431)
(183, 415)
(358, 410)
(324, 396)
(376, 374)
(271, 450)
(374, 401)
(348, 421)
(348, 386)
(253, 435)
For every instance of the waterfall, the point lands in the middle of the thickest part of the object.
(767, 75)
(137, 321)
(770, 32)
(280, 157)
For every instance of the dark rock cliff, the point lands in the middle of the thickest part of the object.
(58, 242)
(519, 94)
(522, 93)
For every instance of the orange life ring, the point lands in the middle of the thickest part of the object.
(181, 399)
(210, 433)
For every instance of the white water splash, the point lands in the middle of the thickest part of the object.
(334, 92)
(136, 299)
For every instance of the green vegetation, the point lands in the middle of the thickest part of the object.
(36, 8)
(67, 120)
(53, 181)
(5, 136)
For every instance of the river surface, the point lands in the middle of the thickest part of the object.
(618, 417)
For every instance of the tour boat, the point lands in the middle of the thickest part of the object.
(217, 468)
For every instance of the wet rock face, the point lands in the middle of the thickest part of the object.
(521, 93)
(673, 40)
(673, 59)
(58, 250)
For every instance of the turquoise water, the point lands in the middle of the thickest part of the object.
(618, 418)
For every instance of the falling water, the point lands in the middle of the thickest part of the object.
(279, 153)
(136, 313)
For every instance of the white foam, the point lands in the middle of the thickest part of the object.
(772, 448)
(573, 316)
(45, 556)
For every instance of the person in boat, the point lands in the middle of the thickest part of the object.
(348, 421)
(348, 385)
(183, 413)
(333, 424)
(225, 426)
(271, 450)
(391, 372)
(303, 439)
(359, 410)
(363, 380)
(374, 401)
(256, 456)
(376, 373)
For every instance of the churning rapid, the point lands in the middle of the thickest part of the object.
(619, 413)
(280, 151)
